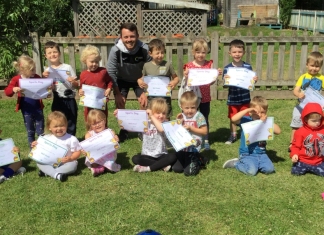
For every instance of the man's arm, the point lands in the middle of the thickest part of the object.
(112, 65)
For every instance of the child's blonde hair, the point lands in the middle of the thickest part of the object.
(199, 45)
(55, 116)
(89, 50)
(93, 116)
(158, 105)
(189, 97)
(315, 57)
(259, 101)
(24, 64)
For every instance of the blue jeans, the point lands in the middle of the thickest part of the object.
(300, 168)
(34, 123)
(251, 164)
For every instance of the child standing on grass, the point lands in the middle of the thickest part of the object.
(94, 75)
(189, 159)
(57, 125)
(199, 50)
(64, 90)
(96, 123)
(238, 98)
(312, 78)
(308, 143)
(32, 110)
(253, 158)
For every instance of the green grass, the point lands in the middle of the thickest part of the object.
(216, 201)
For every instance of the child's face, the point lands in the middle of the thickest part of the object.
(189, 109)
(53, 55)
(157, 55)
(236, 53)
(160, 116)
(258, 113)
(314, 122)
(58, 128)
(313, 68)
(92, 62)
(98, 125)
(200, 55)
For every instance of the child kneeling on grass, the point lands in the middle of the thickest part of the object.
(308, 142)
(253, 157)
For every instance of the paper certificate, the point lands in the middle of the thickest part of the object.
(99, 146)
(94, 97)
(58, 74)
(133, 120)
(36, 88)
(313, 96)
(47, 152)
(198, 77)
(7, 155)
(157, 86)
(178, 136)
(240, 77)
(258, 130)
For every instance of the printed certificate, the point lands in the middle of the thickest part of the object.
(240, 77)
(258, 130)
(47, 152)
(7, 155)
(99, 146)
(178, 136)
(157, 86)
(312, 96)
(36, 88)
(58, 74)
(133, 120)
(198, 77)
(94, 97)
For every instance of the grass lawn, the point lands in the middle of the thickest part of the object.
(216, 201)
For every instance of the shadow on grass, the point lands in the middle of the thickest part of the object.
(81, 166)
(123, 160)
(26, 164)
(273, 156)
(210, 154)
(221, 135)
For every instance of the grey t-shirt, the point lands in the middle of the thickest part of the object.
(153, 142)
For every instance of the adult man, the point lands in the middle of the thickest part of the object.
(125, 64)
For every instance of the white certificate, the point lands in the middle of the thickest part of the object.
(36, 88)
(312, 96)
(47, 152)
(157, 86)
(94, 97)
(7, 154)
(133, 120)
(99, 146)
(240, 77)
(258, 130)
(198, 77)
(178, 136)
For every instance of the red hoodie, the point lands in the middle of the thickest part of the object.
(308, 141)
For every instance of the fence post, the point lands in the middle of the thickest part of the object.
(214, 45)
(298, 20)
(37, 56)
(139, 19)
(315, 19)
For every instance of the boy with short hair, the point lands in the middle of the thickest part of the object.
(189, 160)
(238, 98)
(312, 78)
(308, 143)
(253, 158)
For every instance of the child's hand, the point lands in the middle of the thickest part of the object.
(226, 76)
(141, 83)
(301, 95)
(66, 159)
(116, 138)
(294, 158)
(172, 84)
(15, 149)
(180, 116)
(220, 71)
(255, 78)
(263, 117)
(107, 92)
(115, 112)
(71, 79)
(81, 92)
(83, 153)
(186, 73)
(45, 74)
(33, 144)
(188, 128)
(149, 112)
(16, 89)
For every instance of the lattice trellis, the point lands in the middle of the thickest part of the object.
(184, 21)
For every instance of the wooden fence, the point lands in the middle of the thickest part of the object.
(308, 20)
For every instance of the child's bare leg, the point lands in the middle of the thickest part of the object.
(15, 166)
(232, 137)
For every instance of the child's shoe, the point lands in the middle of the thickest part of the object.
(230, 163)
(41, 174)
(97, 170)
(167, 168)
(231, 140)
(138, 168)
(21, 170)
(2, 179)
(61, 177)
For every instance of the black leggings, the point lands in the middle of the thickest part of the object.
(155, 163)
(188, 163)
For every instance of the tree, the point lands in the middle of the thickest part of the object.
(286, 7)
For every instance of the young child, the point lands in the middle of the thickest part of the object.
(189, 159)
(199, 50)
(94, 75)
(238, 98)
(96, 123)
(154, 155)
(253, 158)
(308, 143)
(32, 110)
(312, 78)
(57, 124)
(64, 91)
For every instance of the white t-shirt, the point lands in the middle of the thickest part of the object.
(70, 142)
(153, 142)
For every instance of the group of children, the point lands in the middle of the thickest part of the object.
(307, 142)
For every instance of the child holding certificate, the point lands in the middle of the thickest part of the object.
(96, 123)
(94, 75)
(189, 160)
(308, 143)
(238, 98)
(31, 109)
(57, 125)
(313, 78)
(64, 88)
(253, 157)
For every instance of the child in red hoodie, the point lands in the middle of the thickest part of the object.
(307, 150)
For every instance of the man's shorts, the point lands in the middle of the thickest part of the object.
(234, 109)
(296, 121)
(125, 86)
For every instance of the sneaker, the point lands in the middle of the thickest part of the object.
(230, 163)
(21, 170)
(140, 136)
(41, 174)
(123, 135)
(2, 179)
(62, 177)
(138, 168)
(231, 140)
(207, 146)
(97, 170)
(167, 168)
